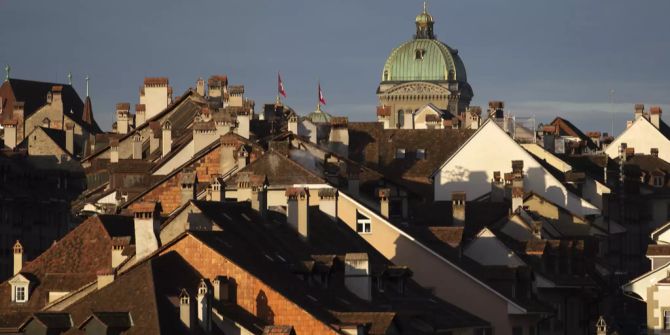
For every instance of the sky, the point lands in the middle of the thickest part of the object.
(543, 58)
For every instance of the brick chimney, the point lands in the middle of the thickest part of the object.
(122, 118)
(10, 133)
(384, 195)
(137, 146)
(338, 140)
(297, 211)
(19, 257)
(497, 188)
(200, 86)
(147, 228)
(114, 151)
(217, 188)
(204, 306)
(458, 208)
(186, 310)
(167, 138)
(228, 161)
(69, 138)
(357, 275)
(140, 114)
(639, 111)
(655, 113)
(105, 277)
(188, 183)
(328, 202)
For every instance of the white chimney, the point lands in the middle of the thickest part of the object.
(655, 113)
(105, 277)
(497, 188)
(222, 288)
(123, 118)
(242, 157)
(114, 151)
(167, 138)
(10, 133)
(458, 208)
(328, 202)
(137, 146)
(19, 257)
(338, 140)
(298, 203)
(357, 275)
(259, 198)
(200, 87)
(639, 111)
(154, 136)
(147, 227)
(228, 162)
(204, 306)
(384, 194)
(243, 119)
(157, 95)
(188, 182)
(217, 188)
(185, 309)
(293, 123)
(204, 134)
(117, 253)
(140, 114)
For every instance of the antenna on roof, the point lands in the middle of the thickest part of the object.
(7, 69)
(69, 78)
(86, 78)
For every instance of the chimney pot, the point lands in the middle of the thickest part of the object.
(298, 203)
(19, 257)
(458, 208)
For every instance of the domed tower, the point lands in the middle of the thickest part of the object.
(422, 71)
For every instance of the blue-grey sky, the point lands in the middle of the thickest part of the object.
(543, 58)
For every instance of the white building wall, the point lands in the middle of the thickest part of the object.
(490, 149)
(642, 136)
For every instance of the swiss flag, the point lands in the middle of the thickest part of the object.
(322, 100)
(280, 86)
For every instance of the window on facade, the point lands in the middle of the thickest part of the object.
(363, 223)
(420, 153)
(20, 294)
(420, 53)
(400, 153)
(666, 319)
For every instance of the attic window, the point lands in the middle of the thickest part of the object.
(363, 223)
(420, 153)
(400, 153)
(419, 54)
(20, 294)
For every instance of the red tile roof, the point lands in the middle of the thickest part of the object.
(156, 81)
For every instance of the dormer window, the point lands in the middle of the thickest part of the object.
(400, 153)
(20, 294)
(419, 54)
(20, 288)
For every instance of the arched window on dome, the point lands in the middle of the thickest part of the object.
(386, 74)
(419, 54)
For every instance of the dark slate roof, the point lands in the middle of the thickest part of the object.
(53, 320)
(376, 147)
(279, 169)
(115, 320)
(34, 95)
(271, 250)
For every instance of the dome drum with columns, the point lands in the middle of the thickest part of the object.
(422, 71)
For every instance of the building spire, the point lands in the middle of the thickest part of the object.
(69, 78)
(7, 70)
(424, 24)
(86, 84)
(425, 7)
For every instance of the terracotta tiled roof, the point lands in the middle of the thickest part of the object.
(383, 111)
(217, 80)
(278, 330)
(156, 81)
(143, 207)
(236, 89)
(449, 235)
(658, 250)
(535, 247)
(123, 106)
(655, 110)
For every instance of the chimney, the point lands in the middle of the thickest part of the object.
(217, 84)
(517, 168)
(185, 309)
(69, 138)
(259, 197)
(154, 136)
(217, 188)
(57, 95)
(222, 286)
(137, 146)
(655, 113)
(236, 95)
(517, 197)
(246, 181)
(338, 140)
(328, 202)
(458, 208)
(105, 277)
(117, 252)
(384, 195)
(242, 157)
(200, 87)
(497, 188)
(639, 111)
(298, 203)
(10, 133)
(357, 275)
(188, 182)
(384, 115)
(147, 227)
(654, 152)
(204, 306)
(157, 95)
(204, 134)
(140, 115)
(228, 144)
(122, 118)
(353, 180)
(19, 257)
(243, 123)
(114, 151)
(496, 110)
(167, 138)
(293, 123)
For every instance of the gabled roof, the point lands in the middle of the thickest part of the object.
(279, 170)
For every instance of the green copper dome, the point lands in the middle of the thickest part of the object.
(424, 60)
